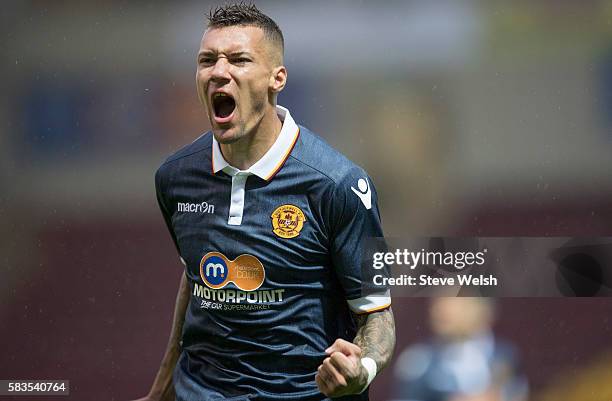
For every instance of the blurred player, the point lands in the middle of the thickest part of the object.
(463, 362)
(270, 222)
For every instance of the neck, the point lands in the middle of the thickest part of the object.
(245, 152)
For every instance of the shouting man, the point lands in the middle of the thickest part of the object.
(271, 224)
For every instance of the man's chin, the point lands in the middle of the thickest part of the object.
(226, 136)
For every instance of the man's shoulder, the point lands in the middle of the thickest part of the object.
(320, 156)
(200, 148)
(197, 152)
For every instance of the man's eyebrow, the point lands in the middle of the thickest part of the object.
(239, 53)
(231, 54)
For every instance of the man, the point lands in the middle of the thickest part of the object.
(271, 224)
(464, 361)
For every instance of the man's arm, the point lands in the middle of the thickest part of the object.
(163, 388)
(342, 372)
(376, 336)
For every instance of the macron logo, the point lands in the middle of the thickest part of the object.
(203, 207)
(364, 193)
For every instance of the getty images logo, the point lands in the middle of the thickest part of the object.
(203, 207)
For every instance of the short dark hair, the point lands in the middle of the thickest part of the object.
(246, 14)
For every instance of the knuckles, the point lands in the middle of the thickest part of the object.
(343, 359)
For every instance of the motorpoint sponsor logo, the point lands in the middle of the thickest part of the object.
(238, 296)
(245, 272)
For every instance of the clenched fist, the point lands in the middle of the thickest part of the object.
(342, 373)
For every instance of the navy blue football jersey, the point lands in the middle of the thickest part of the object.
(274, 260)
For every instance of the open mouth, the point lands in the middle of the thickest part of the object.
(223, 106)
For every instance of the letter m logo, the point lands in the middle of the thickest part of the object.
(216, 268)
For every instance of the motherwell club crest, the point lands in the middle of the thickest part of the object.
(287, 221)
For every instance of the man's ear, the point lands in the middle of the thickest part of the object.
(278, 79)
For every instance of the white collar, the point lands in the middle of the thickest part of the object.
(275, 157)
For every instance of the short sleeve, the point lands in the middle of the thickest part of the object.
(160, 190)
(356, 235)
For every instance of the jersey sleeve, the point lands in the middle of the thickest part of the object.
(160, 190)
(357, 234)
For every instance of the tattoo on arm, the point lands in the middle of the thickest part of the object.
(376, 336)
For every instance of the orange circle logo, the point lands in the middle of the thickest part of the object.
(246, 271)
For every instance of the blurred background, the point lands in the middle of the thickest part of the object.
(481, 118)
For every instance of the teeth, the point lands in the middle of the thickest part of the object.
(220, 94)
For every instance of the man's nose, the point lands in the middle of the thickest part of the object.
(220, 70)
